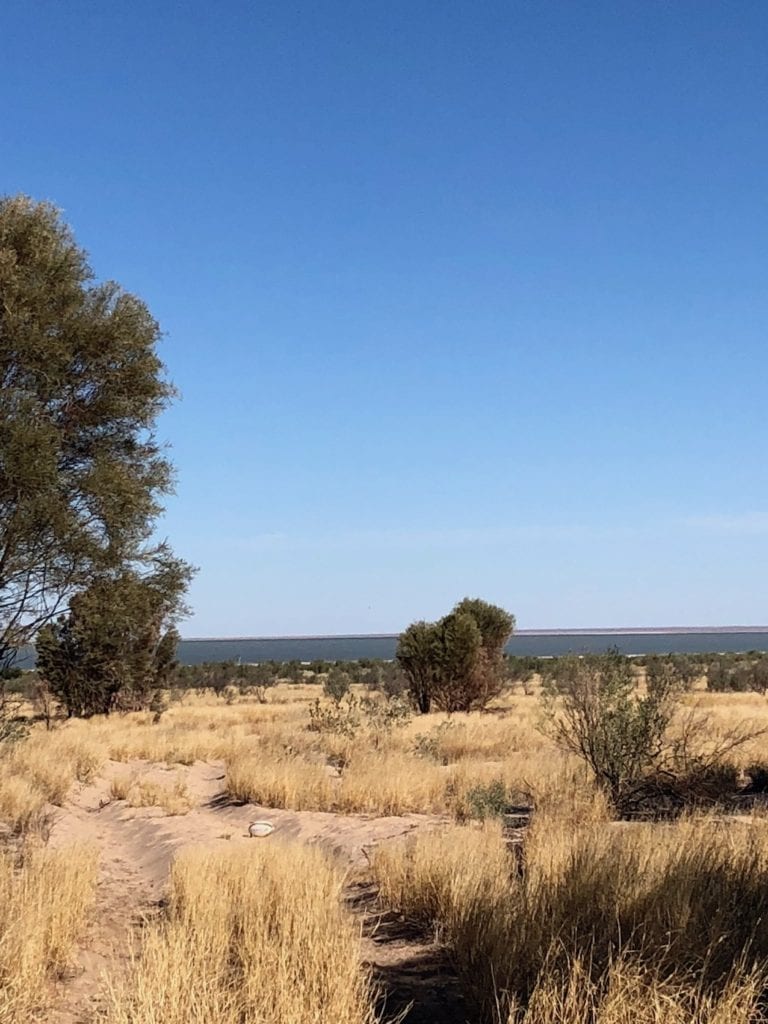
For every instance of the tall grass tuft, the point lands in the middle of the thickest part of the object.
(43, 903)
(601, 920)
(256, 933)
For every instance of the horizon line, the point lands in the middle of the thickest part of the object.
(609, 631)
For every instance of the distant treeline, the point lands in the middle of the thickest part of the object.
(737, 673)
(722, 673)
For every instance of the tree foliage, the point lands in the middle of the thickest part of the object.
(456, 663)
(417, 656)
(81, 385)
(116, 647)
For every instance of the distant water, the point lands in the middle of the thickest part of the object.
(532, 643)
(537, 643)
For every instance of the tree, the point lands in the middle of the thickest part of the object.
(81, 386)
(496, 627)
(417, 656)
(457, 662)
(459, 644)
(117, 644)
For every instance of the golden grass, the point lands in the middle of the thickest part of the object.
(605, 922)
(426, 766)
(288, 783)
(53, 761)
(386, 783)
(254, 933)
(43, 904)
(22, 805)
(173, 797)
(630, 993)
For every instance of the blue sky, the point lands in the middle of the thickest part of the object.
(460, 298)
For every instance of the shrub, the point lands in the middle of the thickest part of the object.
(430, 745)
(293, 671)
(340, 718)
(489, 801)
(625, 741)
(382, 716)
(457, 662)
(337, 684)
(672, 671)
(603, 720)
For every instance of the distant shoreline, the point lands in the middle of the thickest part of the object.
(610, 631)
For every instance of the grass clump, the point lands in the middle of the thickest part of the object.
(174, 797)
(44, 899)
(254, 934)
(286, 783)
(22, 806)
(595, 924)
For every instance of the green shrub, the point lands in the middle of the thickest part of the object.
(337, 684)
(489, 801)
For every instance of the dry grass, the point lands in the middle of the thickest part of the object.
(605, 924)
(43, 903)
(427, 765)
(22, 805)
(390, 783)
(53, 761)
(289, 783)
(253, 934)
(173, 797)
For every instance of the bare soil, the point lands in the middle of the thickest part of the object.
(137, 847)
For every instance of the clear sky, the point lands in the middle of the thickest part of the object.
(461, 298)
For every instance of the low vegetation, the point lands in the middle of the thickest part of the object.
(597, 924)
(172, 796)
(44, 899)
(581, 920)
(251, 934)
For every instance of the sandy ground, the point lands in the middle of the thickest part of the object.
(137, 846)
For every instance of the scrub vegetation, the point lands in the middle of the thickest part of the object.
(547, 905)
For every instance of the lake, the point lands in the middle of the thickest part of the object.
(538, 643)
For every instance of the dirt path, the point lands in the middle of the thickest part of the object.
(137, 846)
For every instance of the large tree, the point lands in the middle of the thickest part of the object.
(82, 474)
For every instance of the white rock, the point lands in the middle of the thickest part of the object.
(261, 828)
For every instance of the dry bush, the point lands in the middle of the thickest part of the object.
(256, 933)
(671, 908)
(43, 903)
